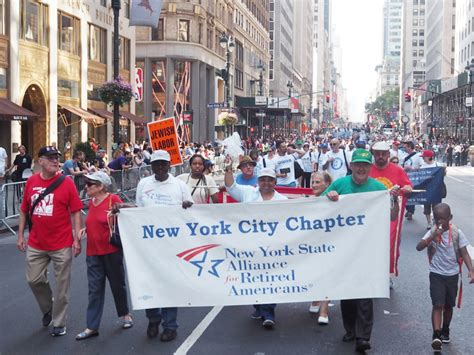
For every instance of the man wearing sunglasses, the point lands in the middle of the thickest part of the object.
(51, 238)
(338, 161)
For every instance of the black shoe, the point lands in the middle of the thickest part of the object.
(47, 318)
(348, 337)
(445, 336)
(437, 344)
(168, 335)
(268, 323)
(362, 345)
(256, 315)
(153, 330)
(58, 331)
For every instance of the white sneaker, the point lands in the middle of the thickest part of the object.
(323, 320)
(313, 309)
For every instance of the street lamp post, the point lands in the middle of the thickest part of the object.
(228, 44)
(260, 79)
(289, 85)
(116, 10)
(470, 68)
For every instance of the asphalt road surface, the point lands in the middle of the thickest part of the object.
(402, 323)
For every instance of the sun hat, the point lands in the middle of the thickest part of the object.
(99, 176)
(246, 160)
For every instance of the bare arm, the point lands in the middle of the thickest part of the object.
(76, 225)
(467, 260)
(21, 242)
(228, 176)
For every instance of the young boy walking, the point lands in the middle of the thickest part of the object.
(446, 244)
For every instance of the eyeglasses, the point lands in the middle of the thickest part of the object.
(333, 144)
(91, 183)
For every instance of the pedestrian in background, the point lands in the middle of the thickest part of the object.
(52, 236)
(104, 261)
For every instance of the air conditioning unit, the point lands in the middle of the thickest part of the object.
(171, 7)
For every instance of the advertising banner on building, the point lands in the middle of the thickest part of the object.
(163, 135)
(271, 252)
(430, 181)
(145, 12)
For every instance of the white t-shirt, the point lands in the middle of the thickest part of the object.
(337, 168)
(269, 163)
(399, 154)
(151, 192)
(444, 259)
(3, 160)
(414, 161)
(204, 190)
(286, 161)
(307, 161)
(322, 159)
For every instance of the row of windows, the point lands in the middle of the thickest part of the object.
(417, 12)
(417, 33)
(34, 28)
(417, 22)
(418, 53)
(2, 17)
(418, 43)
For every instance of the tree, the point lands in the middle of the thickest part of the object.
(383, 104)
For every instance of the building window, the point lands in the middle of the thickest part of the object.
(126, 8)
(68, 33)
(414, 43)
(2, 17)
(183, 31)
(157, 34)
(415, 53)
(34, 22)
(415, 22)
(415, 33)
(421, 42)
(3, 78)
(209, 38)
(97, 44)
(68, 88)
(124, 53)
(103, 2)
(421, 53)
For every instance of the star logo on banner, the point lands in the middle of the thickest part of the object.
(203, 263)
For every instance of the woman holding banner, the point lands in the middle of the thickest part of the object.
(320, 181)
(103, 259)
(203, 187)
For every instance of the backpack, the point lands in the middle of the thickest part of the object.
(431, 250)
(298, 170)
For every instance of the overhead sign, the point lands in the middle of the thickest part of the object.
(469, 101)
(217, 105)
(260, 114)
(138, 84)
(163, 135)
(274, 252)
(260, 100)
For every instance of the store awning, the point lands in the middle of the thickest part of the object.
(10, 111)
(123, 114)
(86, 116)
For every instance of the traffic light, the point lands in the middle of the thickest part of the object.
(223, 74)
(328, 98)
(407, 96)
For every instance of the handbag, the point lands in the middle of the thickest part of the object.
(114, 236)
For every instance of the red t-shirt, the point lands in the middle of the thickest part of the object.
(390, 176)
(97, 227)
(52, 227)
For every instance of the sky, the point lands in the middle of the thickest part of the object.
(358, 25)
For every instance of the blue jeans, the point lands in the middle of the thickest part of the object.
(168, 315)
(267, 311)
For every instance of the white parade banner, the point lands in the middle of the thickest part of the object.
(256, 253)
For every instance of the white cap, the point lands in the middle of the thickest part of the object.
(382, 145)
(267, 172)
(101, 177)
(160, 155)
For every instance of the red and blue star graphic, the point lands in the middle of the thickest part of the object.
(190, 254)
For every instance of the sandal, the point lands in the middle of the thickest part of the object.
(87, 334)
(127, 323)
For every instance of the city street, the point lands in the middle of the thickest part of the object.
(402, 323)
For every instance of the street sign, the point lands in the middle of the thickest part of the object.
(260, 100)
(260, 114)
(216, 105)
(469, 101)
(139, 84)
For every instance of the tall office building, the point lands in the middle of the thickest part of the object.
(464, 34)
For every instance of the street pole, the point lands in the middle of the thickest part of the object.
(260, 83)
(469, 109)
(227, 68)
(116, 10)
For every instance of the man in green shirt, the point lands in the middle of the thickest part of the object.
(357, 315)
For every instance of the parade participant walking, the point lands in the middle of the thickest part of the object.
(308, 161)
(395, 151)
(50, 201)
(265, 191)
(446, 245)
(395, 179)
(21, 163)
(104, 261)
(411, 161)
(338, 161)
(428, 157)
(357, 314)
(203, 187)
(320, 181)
(247, 176)
(322, 157)
(162, 188)
(285, 165)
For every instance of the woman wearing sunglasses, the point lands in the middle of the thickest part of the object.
(103, 259)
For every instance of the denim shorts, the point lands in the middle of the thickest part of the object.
(443, 289)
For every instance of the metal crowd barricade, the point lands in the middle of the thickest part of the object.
(290, 192)
(11, 195)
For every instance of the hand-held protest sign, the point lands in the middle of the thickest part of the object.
(163, 135)
(252, 253)
(430, 182)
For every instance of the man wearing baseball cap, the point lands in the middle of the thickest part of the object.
(162, 188)
(52, 237)
(396, 180)
(357, 314)
(265, 191)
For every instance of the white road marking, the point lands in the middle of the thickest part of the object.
(198, 331)
(455, 179)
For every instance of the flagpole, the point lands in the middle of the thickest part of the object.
(116, 9)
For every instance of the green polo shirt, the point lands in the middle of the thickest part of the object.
(345, 185)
